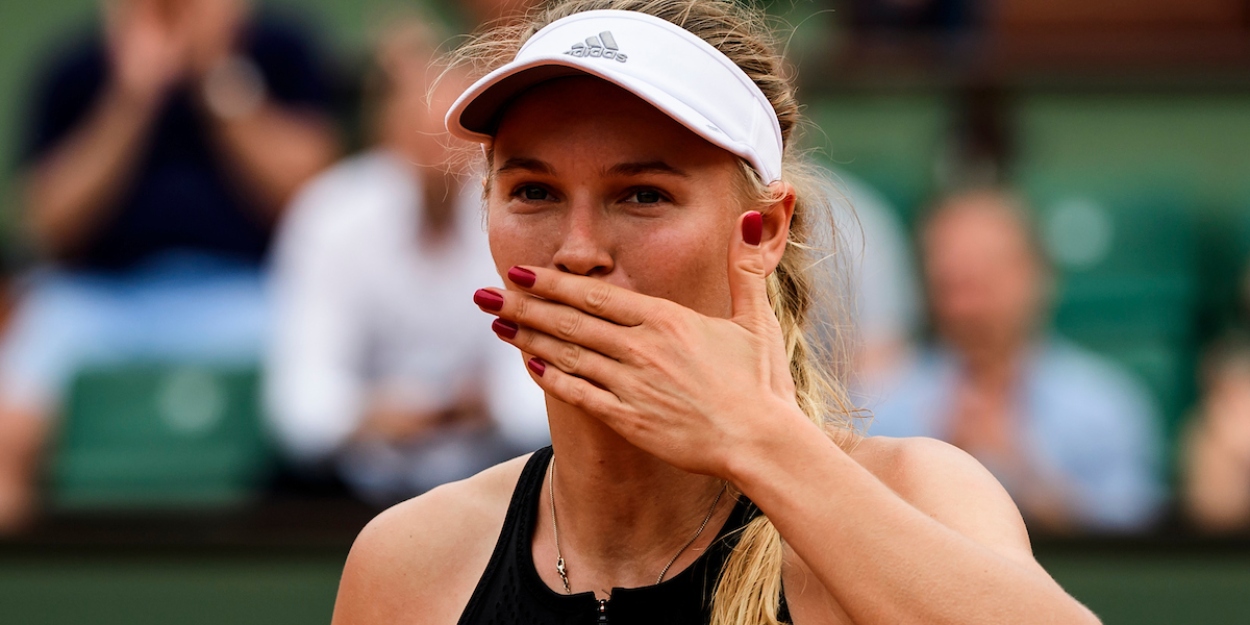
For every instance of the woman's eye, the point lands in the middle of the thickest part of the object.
(645, 196)
(532, 192)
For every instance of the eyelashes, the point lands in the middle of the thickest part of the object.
(635, 195)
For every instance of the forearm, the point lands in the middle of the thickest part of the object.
(69, 191)
(882, 559)
(273, 152)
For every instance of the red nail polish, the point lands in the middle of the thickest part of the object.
(521, 277)
(537, 366)
(489, 300)
(505, 328)
(753, 228)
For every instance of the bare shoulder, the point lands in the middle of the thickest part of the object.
(424, 556)
(950, 486)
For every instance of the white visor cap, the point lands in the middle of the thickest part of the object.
(656, 60)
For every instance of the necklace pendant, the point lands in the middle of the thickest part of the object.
(564, 575)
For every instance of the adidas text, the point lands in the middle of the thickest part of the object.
(601, 46)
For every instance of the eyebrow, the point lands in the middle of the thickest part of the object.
(620, 169)
(526, 164)
(647, 167)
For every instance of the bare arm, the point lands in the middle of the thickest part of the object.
(945, 545)
(274, 151)
(70, 188)
(68, 191)
(272, 148)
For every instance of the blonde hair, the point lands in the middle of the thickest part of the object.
(749, 590)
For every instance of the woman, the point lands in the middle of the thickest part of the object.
(633, 155)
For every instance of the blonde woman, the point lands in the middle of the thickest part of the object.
(651, 228)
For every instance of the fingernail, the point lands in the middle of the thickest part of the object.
(537, 366)
(521, 277)
(489, 300)
(505, 328)
(753, 228)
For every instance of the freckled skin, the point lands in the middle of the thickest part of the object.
(676, 248)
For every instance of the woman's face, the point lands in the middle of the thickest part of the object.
(591, 180)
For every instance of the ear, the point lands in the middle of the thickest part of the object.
(777, 217)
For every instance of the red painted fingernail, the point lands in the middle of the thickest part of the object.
(522, 277)
(753, 228)
(489, 300)
(537, 366)
(505, 328)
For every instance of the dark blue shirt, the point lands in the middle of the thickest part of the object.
(182, 195)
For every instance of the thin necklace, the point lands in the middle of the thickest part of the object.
(555, 529)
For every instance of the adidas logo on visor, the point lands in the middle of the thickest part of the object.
(601, 46)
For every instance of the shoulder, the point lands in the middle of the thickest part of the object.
(425, 556)
(949, 486)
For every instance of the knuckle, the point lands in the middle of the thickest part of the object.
(657, 317)
(570, 358)
(597, 298)
(525, 340)
(569, 325)
(524, 309)
(578, 394)
(751, 264)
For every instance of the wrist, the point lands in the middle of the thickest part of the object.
(788, 430)
(233, 88)
(132, 101)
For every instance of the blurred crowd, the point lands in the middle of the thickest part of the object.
(190, 197)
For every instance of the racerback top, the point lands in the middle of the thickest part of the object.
(510, 591)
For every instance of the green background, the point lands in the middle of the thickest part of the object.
(267, 587)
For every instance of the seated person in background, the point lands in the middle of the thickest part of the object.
(1071, 436)
(1217, 441)
(379, 364)
(159, 156)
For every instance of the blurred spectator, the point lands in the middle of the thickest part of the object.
(160, 153)
(382, 365)
(1071, 436)
(1217, 442)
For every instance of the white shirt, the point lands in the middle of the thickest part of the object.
(363, 308)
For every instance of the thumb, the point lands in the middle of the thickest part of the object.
(748, 287)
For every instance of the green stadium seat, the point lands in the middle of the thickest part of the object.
(1194, 141)
(156, 436)
(889, 141)
(1124, 250)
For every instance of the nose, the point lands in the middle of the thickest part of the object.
(586, 247)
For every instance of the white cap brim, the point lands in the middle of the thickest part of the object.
(668, 67)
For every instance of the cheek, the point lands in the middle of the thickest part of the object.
(688, 265)
(516, 240)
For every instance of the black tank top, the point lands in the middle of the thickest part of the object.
(510, 592)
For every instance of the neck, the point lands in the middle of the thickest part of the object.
(622, 513)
